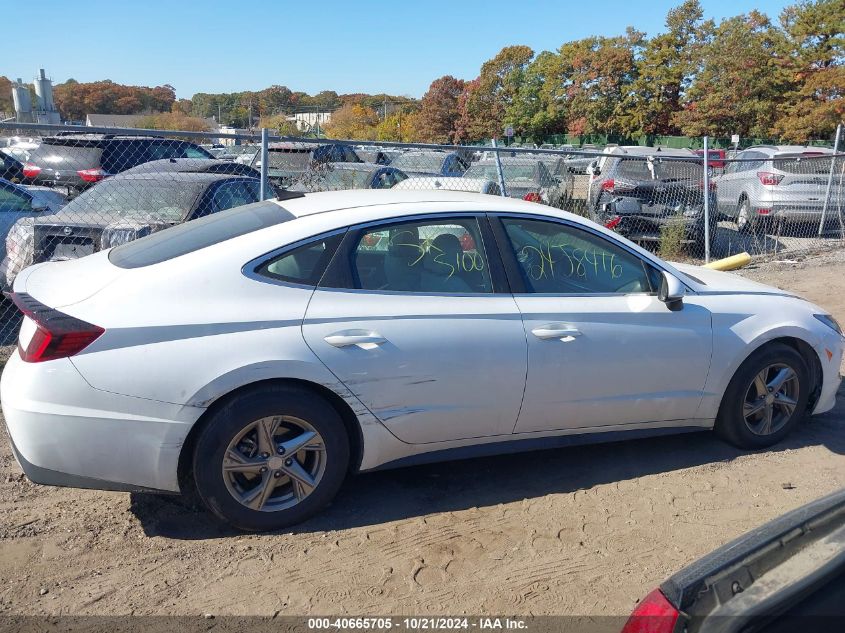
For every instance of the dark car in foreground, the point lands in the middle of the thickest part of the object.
(78, 161)
(786, 576)
(121, 209)
(641, 192)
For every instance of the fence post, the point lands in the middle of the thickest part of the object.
(499, 169)
(830, 178)
(706, 187)
(264, 166)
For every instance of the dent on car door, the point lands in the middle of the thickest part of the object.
(411, 319)
(602, 349)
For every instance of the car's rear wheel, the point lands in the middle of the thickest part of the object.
(271, 457)
(744, 221)
(765, 399)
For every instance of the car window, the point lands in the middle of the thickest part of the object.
(192, 236)
(14, 201)
(233, 194)
(557, 258)
(437, 256)
(191, 151)
(304, 264)
(119, 156)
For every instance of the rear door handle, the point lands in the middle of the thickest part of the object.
(364, 340)
(565, 334)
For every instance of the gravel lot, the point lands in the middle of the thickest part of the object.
(570, 531)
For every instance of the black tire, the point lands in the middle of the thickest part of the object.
(731, 423)
(748, 226)
(238, 413)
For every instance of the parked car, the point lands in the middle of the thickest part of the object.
(122, 209)
(11, 168)
(18, 202)
(640, 191)
(785, 576)
(195, 165)
(715, 158)
(337, 176)
(266, 352)
(79, 160)
(577, 163)
(528, 179)
(416, 163)
(290, 163)
(477, 185)
(777, 182)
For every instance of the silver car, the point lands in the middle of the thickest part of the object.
(782, 182)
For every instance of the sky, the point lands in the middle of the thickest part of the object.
(374, 46)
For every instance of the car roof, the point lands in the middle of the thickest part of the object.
(640, 150)
(791, 149)
(347, 200)
(187, 177)
(181, 165)
(438, 183)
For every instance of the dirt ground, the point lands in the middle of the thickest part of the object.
(570, 531)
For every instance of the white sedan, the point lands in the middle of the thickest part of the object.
(263, 354)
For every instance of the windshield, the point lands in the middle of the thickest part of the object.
(418, 162)
(168, 201)
(297, 159)
(641, 169)
(490, 172)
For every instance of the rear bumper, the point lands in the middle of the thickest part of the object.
(64, 432)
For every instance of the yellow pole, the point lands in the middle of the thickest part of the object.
(730, 263)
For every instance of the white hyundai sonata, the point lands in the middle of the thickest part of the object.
(264, 353)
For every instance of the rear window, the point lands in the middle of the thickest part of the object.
(141, 199)
(193, 236)
(806, 164)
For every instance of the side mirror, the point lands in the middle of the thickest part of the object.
(671, 291)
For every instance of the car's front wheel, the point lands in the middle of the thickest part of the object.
(765, 399)
(271, 457)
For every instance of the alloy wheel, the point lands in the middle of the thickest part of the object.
(274, 463)
(770, 399)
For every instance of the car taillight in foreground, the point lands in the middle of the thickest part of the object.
(30, 170)
(654, 614)
(92, 175)
(768, 178)
(608, 185)
(533, 196)
(57, 335)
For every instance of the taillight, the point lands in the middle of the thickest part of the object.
(57, 335)
(608, 185)
(654, 614)
(768, 178)
(92, 175)
(467, 242)
(764, 211)
(711, 185)
(532, 196)
(613, 222)
(30, 170)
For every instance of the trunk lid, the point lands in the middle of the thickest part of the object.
(64, 283)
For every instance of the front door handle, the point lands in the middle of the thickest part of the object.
(364, 340)
(565, 334)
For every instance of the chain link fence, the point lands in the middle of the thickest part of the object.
(70, 191)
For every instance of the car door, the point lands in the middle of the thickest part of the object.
(413, 321)
(602, 349)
